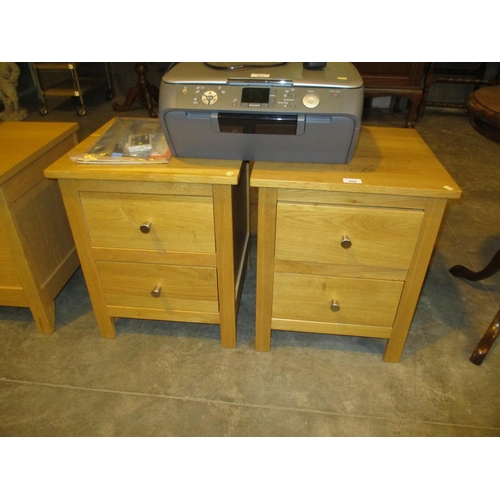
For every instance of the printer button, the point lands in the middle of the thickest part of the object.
(310, 100)
(210, 97)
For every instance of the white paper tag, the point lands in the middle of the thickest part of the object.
(352, 181)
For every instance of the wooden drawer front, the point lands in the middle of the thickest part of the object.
(362, 301)
(381, 237)
(183, 288)
(8, 274)
(178, 223)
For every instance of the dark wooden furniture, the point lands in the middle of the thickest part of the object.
(400, 79)
(451, 73)
(143, 91)
(484, 111)
(493, 330)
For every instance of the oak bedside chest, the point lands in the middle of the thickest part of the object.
(37, 252)
(159, 241)
(344, 249)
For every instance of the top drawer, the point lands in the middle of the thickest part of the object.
(380, 237)
(176, 223)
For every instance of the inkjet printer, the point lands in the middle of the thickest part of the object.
(270, 112)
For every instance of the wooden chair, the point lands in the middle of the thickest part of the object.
(451, 73)
(493, 330)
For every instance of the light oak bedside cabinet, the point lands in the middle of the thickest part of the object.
(37, 252)
(159, 241)
(344, 249)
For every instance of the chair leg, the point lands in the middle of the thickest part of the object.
(493, 330)
(487, 341)
(492, 267)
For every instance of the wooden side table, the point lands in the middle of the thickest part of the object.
(483, 106)
(37, 252)
(144, 91)
(165, 242)
(344, 249)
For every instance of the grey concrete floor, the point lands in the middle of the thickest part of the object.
(172, 379)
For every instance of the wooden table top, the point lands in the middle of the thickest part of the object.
(489, 97)
(387, 161)
(23, 142)
(190, 170)
(484, 104)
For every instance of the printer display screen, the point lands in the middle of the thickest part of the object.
(255, 95)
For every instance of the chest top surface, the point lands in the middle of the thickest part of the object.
(387, 161)
(188, 170)
(23, 142)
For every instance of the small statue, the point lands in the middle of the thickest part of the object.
(9, 74)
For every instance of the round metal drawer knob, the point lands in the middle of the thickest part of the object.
(146, 227)
(335, 306)
(156, 292)
(345, 242)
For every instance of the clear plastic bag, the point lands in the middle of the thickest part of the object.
(128, 140)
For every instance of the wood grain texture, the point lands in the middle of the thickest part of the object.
(388, 161)
(195, 250)
(178, 223)
(416, 275)
(183, 288)
(24, 142)
(392, 217)
(380, 237)
(180, 170)
(362, 301)
(37, 251)
(266, 238)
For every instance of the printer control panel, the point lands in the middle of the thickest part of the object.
(259, 98)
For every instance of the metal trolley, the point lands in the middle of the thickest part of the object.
(77, 85)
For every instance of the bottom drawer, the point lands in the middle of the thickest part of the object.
(360, 301)
(182, 288)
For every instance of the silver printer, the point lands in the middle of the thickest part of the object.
(271, 112)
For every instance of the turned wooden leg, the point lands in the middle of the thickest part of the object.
(414, 99)
(491, 334)
(397, 103)
(492, 267)
(132, 95)
(148, 94)
(415, 103)
(487, 341)
(143, 91)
